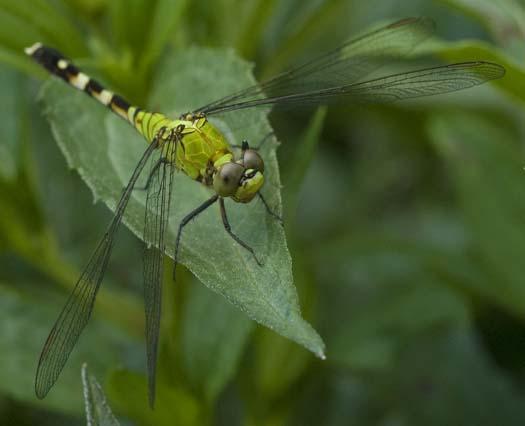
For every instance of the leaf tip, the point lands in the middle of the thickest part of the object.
(320, 354)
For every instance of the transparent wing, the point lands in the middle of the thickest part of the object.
(425, 82)
(342, 66)
(155, 224)
(413, 84)
(77, 310)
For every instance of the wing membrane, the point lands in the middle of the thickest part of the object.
(77, 310)
(341, 66)
(155, 225)
(337, 75)
(426, 82)
(413, 84)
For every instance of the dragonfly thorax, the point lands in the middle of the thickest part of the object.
(198, 147)
(203, 153)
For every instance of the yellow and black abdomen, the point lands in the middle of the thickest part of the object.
(146, 123)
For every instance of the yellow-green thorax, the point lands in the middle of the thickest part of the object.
(199, 145)
(200, 150)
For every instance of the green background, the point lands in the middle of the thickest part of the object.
(405, 223)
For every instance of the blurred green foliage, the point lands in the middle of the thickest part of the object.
(404, 222)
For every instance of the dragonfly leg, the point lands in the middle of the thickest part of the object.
(190, 216)
(269, 209)
(228, 229)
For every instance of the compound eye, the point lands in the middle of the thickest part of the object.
(227, 179)
(252, 160)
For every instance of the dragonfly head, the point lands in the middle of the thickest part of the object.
(240, 180)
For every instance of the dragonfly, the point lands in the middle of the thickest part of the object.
(191, 144)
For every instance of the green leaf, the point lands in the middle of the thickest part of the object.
(105, 150)
(213, 338)
(173, 406)
(487, 168)
(98, 412)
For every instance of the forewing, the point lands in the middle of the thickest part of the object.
(155, 224)
(77, 310)
(342, 66)
(413, 84)
(425, 82)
